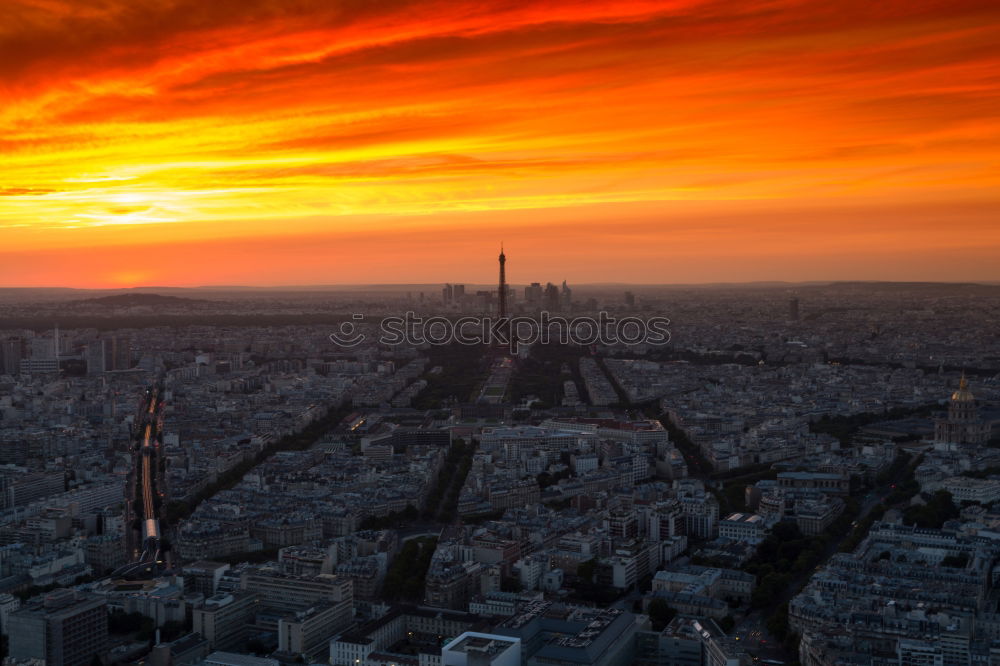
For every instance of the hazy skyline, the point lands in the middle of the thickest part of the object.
(272, 143)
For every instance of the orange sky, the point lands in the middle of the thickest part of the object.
(236, 142)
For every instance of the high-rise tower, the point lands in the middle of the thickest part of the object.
(502, 290)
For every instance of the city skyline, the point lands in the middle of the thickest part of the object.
(515, 333)
(643, 476)
(640, 142)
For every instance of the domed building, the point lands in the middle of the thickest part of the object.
(963, 425)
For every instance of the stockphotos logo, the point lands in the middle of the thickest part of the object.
(605, 329)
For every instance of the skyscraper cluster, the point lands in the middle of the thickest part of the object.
(551, 297)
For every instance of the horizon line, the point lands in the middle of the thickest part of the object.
(341, 285)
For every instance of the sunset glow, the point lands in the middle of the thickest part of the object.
(268, 143)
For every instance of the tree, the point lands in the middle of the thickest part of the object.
(256, 646)
(508, 584)
(171, 629)
(777, 624)
(786, 530)
(120, 622)
(938, 509)
(660, 613)
(586, 570)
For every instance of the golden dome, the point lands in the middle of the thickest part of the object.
(963, 394)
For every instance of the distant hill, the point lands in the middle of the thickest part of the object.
(140, 300)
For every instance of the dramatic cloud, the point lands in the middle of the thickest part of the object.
(810, 128)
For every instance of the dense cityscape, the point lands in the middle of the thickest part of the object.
(802, 474)
(499, 333)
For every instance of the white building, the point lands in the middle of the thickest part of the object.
(236, 659)
(962, 489)
(475, 649)
(746, 527)
(531, 569)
